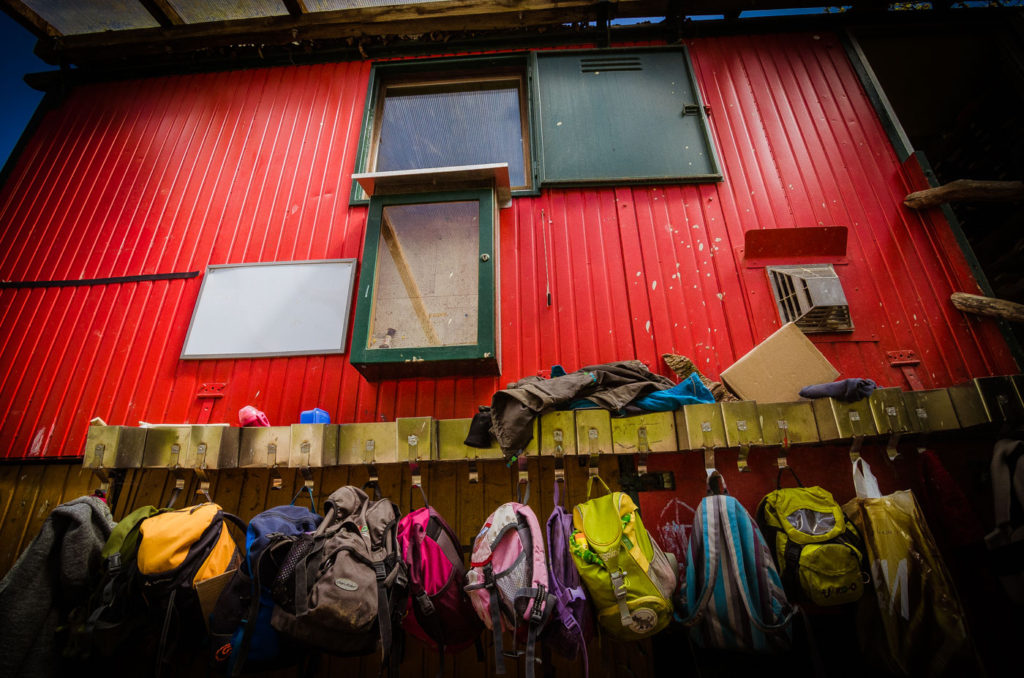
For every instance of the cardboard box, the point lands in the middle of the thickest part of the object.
(775, 370)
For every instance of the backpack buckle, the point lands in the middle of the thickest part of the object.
(114, 563)
(537, 613)
(423, 600)
(380, 570)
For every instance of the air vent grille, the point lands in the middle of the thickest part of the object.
(810, 296)
(610, 63)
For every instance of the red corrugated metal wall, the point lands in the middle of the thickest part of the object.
(172, 174)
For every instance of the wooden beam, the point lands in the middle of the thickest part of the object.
(295, 7)
(390, 238)
(27, 17)
(965, 190)
(988, 306)
(163, 12)
(355, 23)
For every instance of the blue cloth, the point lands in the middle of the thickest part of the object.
(690, 391)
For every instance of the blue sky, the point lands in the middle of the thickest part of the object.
(19, 100)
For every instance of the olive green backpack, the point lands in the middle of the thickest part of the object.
(819, 553)
(630, 579)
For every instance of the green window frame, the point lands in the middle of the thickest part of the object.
(479, 357)
(620, 116)
(612, 116)
(445, 75)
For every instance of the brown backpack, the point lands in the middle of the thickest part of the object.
(345, 585)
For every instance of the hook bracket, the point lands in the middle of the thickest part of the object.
(783, 459)
(595, 453)
(559, 455)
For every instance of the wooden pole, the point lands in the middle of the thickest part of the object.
(966, 190)
(996, 308)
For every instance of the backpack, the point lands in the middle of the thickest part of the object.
(438, 612)
(116, 608)
(572, 622)
(733, 597)
(819, 553)
(240, 628)
(1006, 542)
(628, 576)
(179, 550)
(342, 588)
(508, 580)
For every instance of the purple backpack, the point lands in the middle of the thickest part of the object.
(439, 612)
(572, 622)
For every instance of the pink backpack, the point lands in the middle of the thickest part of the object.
(438, 612)
(508, 580)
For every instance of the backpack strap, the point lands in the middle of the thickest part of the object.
(778, 477)
(495, 607)
(539, 614)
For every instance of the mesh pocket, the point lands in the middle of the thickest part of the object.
(510, 581)
(283, 588)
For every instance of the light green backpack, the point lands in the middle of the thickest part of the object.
(630, 579)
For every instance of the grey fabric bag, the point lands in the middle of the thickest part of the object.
(349, 588)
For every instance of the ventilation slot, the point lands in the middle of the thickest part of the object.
(811, 297)
(610, 63)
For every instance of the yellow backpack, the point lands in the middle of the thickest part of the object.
(819, 553)
(630, 579)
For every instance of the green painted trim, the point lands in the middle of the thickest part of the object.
(873, 88)
(904, 150)
(380, 69)
(486, 345)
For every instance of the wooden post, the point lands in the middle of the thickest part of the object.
(997, 308)
(967, 190)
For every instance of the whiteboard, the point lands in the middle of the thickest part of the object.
(271, 309)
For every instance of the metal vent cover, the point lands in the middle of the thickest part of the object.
(810, 296)
(596, 64)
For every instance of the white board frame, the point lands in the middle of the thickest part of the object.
(230, 314)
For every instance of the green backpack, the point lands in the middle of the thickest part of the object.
(818, 551)
(630, 579)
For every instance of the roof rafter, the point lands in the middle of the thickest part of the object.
(27, 17)
(295, 7)
(163, 12)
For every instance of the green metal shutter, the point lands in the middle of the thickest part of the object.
(615, 116)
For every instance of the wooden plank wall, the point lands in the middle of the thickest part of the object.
(29, 492)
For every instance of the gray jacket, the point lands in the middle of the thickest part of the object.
(53, 575)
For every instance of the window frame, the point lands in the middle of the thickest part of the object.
(537, 109)
(344, 300)
(430, 360)
(438, 72)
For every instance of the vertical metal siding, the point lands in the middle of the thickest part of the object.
(172, 174)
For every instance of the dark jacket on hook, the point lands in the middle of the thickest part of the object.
(609, 385)
(53, 575)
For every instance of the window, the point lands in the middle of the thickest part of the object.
(620, 117)
(448, 114)
(427, 291)
(271, 309)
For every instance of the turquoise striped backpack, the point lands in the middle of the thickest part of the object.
(732, 598)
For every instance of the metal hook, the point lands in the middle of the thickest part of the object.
(782, 460)
(891, 447)
(595, 453)
(744, 444)
(709, 448)
(179, 487)
(523, 486)
(642, 450)
(858, 436)
(474, 474)
(559, 456)
(204, 484)
(276, 481)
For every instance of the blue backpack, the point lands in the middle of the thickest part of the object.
(732, 598)
(240, 623)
